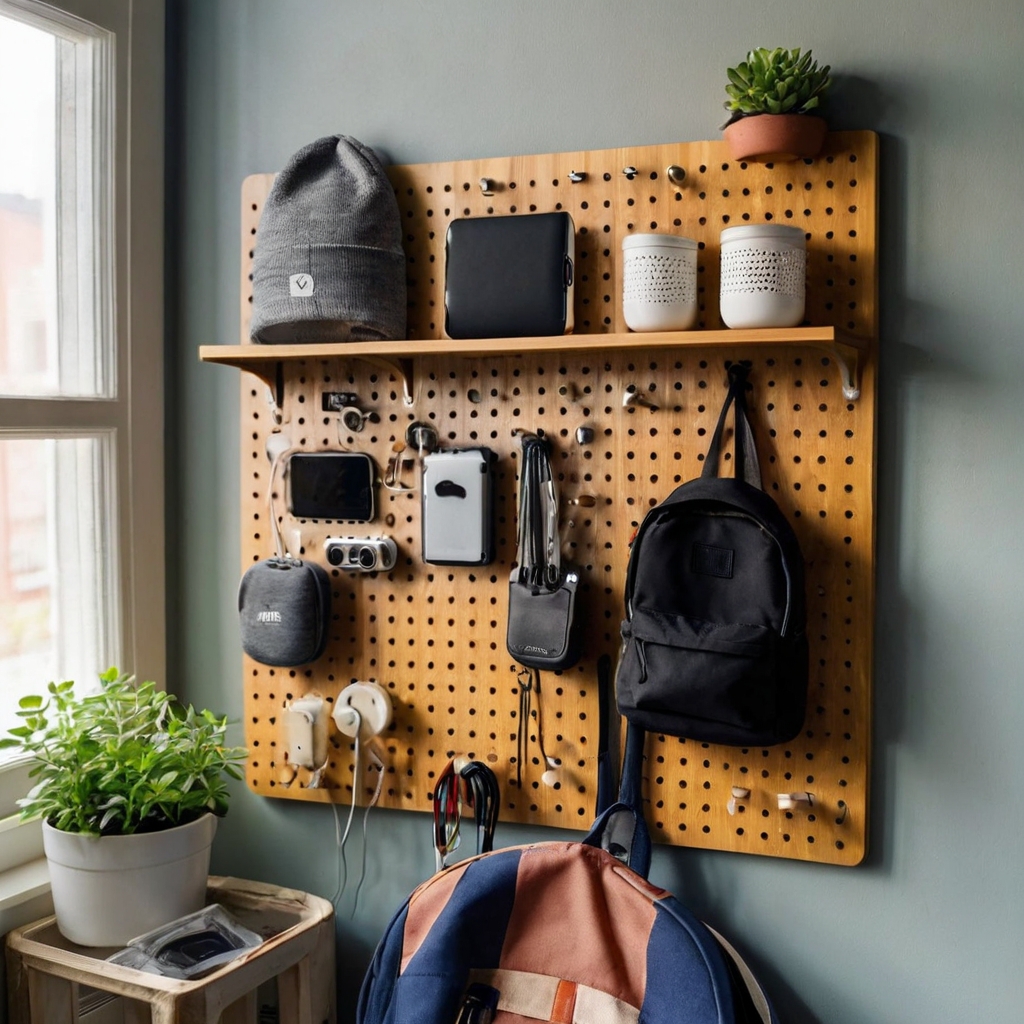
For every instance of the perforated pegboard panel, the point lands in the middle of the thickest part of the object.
(434, 636)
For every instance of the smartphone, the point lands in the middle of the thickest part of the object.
(332, 485)
(458, 507)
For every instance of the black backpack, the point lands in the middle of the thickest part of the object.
(714, 644)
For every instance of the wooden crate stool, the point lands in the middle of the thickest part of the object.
(44, 970)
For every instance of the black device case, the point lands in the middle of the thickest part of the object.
(543, 629)
(509, 277)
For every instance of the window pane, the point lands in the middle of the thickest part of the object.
(57, 571)
(55, 300)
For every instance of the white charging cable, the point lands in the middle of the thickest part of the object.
(362, 711)
(278, 446)
(356, 721)
(378, 763)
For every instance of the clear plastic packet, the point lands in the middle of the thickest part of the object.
(191, 946)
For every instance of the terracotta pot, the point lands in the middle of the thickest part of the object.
(776, 137)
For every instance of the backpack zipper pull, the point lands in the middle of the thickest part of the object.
(641, 654)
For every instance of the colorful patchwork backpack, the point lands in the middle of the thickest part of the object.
(564, 932)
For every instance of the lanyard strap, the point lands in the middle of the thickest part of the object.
(539, 554)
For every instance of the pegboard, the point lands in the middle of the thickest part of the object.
(434, 636)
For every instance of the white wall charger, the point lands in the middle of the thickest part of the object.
(303, 721)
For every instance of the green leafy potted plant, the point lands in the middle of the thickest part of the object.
(771, 96)
(129, 784)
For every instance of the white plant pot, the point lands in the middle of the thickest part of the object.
(109, 889)
(764, 276)
(659, 282)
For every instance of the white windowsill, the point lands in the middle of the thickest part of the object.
(23, 883)
(24, 894)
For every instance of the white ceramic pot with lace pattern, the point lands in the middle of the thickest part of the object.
(659, 282)
(764, 276)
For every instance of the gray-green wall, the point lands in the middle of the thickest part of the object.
(931, 927)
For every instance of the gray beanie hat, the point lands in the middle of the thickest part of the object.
(329, 264)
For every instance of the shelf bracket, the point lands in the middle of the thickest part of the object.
(847, 358)
(279, 384)
(401, 368)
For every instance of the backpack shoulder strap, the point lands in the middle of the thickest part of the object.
(621, 829)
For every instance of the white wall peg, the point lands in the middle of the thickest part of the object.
(633, 396)
(791, 801)
(738, 794)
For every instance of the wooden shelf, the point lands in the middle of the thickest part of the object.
(262, 360)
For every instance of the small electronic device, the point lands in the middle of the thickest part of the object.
(458, 507)
(331, 485)
(361, 554)
(509, 277)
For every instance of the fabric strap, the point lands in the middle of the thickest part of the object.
(539, 554)
(541, 997)
(745, 451)
(753, 986)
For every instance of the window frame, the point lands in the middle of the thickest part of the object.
(134, 411)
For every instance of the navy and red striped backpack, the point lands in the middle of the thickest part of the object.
(565, 932)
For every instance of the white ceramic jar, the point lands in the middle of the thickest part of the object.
(659, 282)
(764, 276)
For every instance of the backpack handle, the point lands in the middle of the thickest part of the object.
(747, 466)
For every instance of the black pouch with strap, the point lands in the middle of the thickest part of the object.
(714, 644)
(543, 624)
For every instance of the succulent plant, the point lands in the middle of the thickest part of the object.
(778, 81)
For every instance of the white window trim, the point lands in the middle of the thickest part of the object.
(137, 414)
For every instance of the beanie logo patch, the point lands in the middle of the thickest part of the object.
(300, 285)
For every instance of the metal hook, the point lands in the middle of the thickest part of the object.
(421, 436)
(393, 472)
(629, 172)
(676, 174)
(577, 176)
(635, 397)
(354, 418)
(487, 186)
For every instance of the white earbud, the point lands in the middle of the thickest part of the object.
(552, 776)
